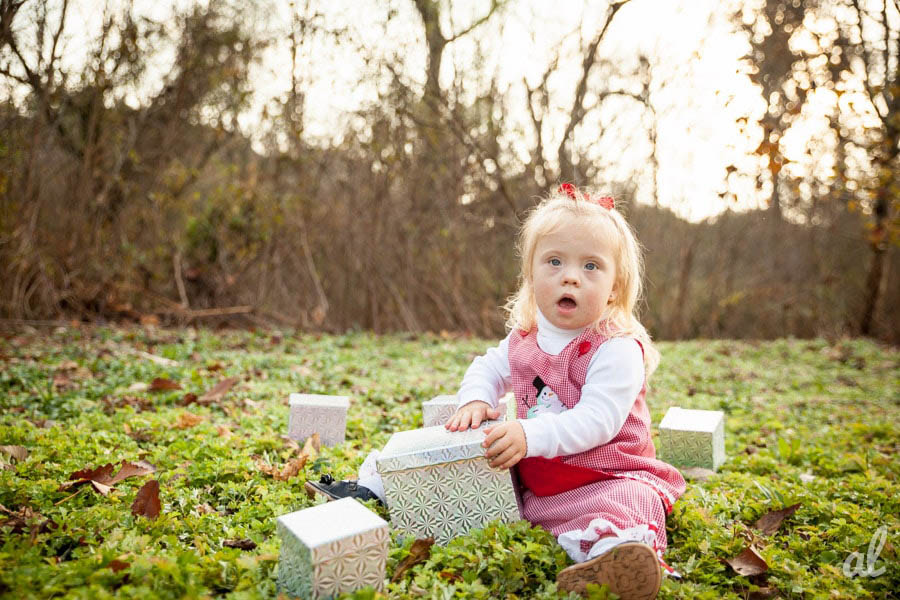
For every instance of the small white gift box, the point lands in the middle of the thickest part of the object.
(325, 415)
(439, 484)
(693, 438)
(439, 409)
(330, 549)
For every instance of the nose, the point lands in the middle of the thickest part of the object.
(571, 277)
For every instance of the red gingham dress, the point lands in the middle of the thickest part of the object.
(636, 491)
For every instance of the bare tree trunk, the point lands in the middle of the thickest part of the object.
(679, 325)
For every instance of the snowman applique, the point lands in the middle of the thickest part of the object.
(546, 400)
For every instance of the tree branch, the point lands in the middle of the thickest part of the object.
(62, 22)
(494, 6)
(577, 114)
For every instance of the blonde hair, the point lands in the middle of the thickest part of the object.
(620, 318)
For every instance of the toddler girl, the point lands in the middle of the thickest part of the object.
(578, 361)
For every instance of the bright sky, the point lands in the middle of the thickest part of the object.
(691, 44)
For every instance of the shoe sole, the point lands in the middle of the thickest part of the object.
(312, 490)
(630, 569)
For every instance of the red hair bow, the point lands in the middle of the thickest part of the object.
(569, 190)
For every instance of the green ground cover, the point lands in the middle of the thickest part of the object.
(807, 422)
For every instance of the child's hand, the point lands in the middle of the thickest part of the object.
(472, 414)
(505, 444)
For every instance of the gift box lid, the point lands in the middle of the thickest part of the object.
(431, 446)
(320, 526)
(705, 421)
(320, 400)
(445, 400)
(452, 400)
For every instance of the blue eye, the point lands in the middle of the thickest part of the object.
(555, 262)
(591, 266)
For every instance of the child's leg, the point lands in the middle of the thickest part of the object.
(614, 530)
(594, 518)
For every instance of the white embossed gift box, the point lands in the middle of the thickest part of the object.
(330, 549)
(439, 484)
(692, 438)
(325, 415)
(439, 409)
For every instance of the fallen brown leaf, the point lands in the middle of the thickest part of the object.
(290, 443)
(205, 509)
(218, 391)
(450, 575)
(138, 403)
(146, 502)
(188, 399)
(771, 521)
(19, 520)
(102, 479)
(243, 544)
(312, 445)
(160, 384)
(103, 489)
(290, 468)
(748, 563)
(418, 553)
(62, 382)
(130, 469)
(187, 420)
(17, 452)
(101, 474)
(118, 565)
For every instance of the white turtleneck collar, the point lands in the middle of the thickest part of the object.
(552, 339)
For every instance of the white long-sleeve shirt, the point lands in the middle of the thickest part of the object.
(614, 378)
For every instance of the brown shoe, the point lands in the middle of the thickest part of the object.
(630, 569)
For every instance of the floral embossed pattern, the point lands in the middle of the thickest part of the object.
(344, 564)
(447, 500)
(692, 438)
(325, 415)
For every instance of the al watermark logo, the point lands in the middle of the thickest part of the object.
(853, 564)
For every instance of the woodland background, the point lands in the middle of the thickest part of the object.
(165, 210)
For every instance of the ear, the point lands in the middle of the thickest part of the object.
(613, 293)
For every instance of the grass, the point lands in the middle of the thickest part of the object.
(807, 422)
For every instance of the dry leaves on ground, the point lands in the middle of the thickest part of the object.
(186, 420)
(312, 446)
(771, 521)
(218, 391)
(102, 479)
(146, 502)
(242, 544)
(138, 403)
(118, 565)
(290, 468)
(161, 384)
(18, 520)
(418, 553)
(17, 452)
(748, 563)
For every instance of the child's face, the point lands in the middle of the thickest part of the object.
(574, 276)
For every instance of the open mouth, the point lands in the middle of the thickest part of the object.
(566, 303)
